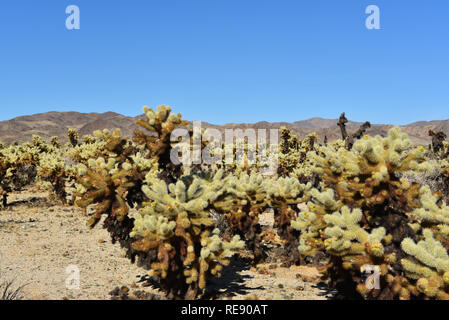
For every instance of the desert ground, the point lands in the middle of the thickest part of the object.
(40, 239)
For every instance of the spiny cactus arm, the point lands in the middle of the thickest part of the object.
(429, 210)
(311, 223)
(215, 253)
(162, 123)
(108, 186)
(323, 202)
(430, 265)
(343, 229)
(285, 190)
(311, 227)
(428, 251)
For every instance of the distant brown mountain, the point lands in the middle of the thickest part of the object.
(55, 123)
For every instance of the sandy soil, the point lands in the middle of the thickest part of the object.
(40, 239)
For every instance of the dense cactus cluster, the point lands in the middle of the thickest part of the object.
(358, 203)
(293, 160)
(53, 170)
(284, 196)
(366, 216)
(176, 224)
(244, 202)
(17, 167)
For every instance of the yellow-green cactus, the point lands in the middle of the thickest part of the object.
(429, 265)
(156, 142)
(284, 195)
(177, 224)
(244, 201)
(72, 134)
(53, 169)
(365, 212)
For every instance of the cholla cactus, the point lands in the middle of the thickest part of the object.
(428, 265)
(88, 139)
(41, 145)
(284, 195)
(103, 144)
(437, 145)
(120, 167)
(442, 178)
(365, 212)
(311, 223)
(53, 169)
(72, 134)
(245, 200)
(160, 125)
(176, 227)
(115, 146)
(85, 151)
(17, 167)
(107, 184)
(5, 174)
(55, 142)
(370, 166)
(350, 138)
(293, 158)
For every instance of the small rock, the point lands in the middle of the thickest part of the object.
(308, 278)
(124, 289)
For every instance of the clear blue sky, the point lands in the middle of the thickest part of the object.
(228, 60)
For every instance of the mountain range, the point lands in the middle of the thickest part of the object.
(55, 123)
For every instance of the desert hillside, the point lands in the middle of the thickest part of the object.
(55, 123)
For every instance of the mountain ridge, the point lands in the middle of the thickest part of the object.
(55, 123)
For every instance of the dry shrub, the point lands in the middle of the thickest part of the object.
(8, 291)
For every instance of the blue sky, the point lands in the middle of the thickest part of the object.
(228, 60)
